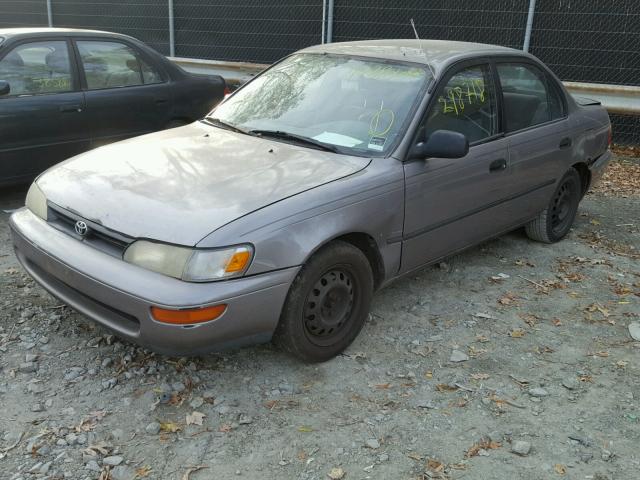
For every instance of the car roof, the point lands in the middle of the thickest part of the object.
(7, 33)
(436, 53)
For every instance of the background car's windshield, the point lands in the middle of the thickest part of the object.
(358, 105)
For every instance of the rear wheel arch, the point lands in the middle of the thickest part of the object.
(585, 176)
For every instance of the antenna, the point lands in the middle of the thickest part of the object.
(415, 31)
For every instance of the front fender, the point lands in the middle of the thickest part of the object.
(287, 233)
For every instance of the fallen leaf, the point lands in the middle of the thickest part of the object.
(170, 427)
(415, 456)
(195, 418)
(336, 474)
(305, 428)
(560, 469)
(434, 465)
(382, 386)
(444, 387)
(225, 428)
(142, 472)
(524, 263)
(483, 444)
(507, 299)
(480, 376)
(98, 448)
(557, 322)
(517, 333)
(484, 315)
(191, 470)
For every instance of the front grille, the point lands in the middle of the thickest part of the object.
(98, 236)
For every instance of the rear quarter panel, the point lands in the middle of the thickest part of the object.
(195, 96)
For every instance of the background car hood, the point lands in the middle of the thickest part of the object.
(179, 185)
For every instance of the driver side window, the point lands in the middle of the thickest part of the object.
(466, 104)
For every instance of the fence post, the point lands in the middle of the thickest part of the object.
(330, 22)
(527, 34)
(324, 18)
(49, 14)
(172, 32)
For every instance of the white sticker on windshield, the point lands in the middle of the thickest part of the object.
(377, 143)
(337, 139)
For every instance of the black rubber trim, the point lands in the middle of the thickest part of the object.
(429, 228)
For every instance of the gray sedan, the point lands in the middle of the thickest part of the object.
(337, 170)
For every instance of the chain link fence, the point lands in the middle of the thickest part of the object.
(582, 41)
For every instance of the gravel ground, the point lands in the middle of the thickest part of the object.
(513, 360)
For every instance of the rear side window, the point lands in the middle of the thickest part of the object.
(37, 68)
(529, 96)
(113, 65)
(466, 104)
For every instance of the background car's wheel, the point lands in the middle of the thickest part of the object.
(554, 222)
(327, 303)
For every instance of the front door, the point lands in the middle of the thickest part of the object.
(453, 203)
(42, 119)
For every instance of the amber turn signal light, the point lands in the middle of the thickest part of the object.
(238, 262)
(189, 316)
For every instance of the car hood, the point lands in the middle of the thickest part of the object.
(179, 185)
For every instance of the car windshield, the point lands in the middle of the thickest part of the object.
(357, 105)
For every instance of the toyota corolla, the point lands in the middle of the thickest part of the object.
(337, 170)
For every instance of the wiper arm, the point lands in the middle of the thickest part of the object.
(296, 138)
(216, 122)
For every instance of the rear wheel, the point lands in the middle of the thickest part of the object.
(327, 304)
(555, 221)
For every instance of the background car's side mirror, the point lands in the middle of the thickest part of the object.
(441, 144)
(5, 88)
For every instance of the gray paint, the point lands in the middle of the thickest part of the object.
(222, 189)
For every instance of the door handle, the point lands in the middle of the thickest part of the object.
(565, 143)
(160, 101)
(498, 165)
(70, 108)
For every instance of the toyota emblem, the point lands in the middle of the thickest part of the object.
(81, 228)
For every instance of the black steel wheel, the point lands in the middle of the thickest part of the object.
(555, 221)
(327, 304)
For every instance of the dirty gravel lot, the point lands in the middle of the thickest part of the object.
(511, 361)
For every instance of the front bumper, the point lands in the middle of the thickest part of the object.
(119, 295)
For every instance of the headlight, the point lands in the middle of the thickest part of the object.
(36, 201)
(190, 264)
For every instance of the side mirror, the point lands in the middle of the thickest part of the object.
(441, 144)
(5, 88)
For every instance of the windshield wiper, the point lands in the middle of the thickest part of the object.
(295, 138)
(216, 122)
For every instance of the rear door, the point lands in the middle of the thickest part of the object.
(42, 119)
(126, 94)
(453, 203)
(537, 131)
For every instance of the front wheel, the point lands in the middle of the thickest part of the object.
(554, 222)
(327, 304)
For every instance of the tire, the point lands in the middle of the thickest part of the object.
(327, 304)
(554, 222)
